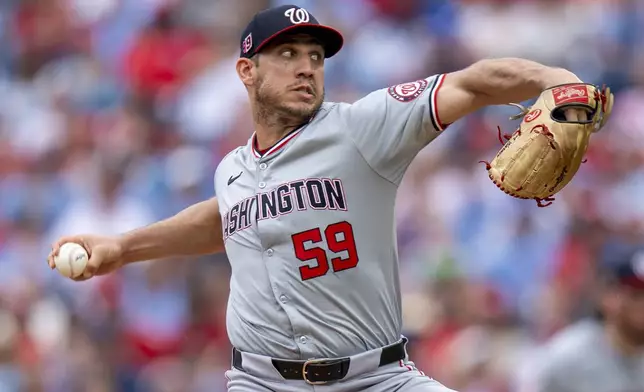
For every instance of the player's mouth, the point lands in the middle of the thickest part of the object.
(305, 90)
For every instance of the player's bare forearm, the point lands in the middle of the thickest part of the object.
(496, 82)
(194, 231)
(499, 81)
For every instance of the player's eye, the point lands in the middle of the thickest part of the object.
(288, 53)
(315, 56)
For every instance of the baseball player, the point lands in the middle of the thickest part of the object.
(305, 210)
(606, 353)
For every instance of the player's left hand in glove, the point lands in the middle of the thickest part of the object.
(545, 152)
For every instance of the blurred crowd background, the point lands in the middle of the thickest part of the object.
(115, 113)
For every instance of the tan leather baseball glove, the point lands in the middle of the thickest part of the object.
(545, 152)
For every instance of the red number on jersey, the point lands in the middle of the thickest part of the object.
(346, 243)
(304, 254)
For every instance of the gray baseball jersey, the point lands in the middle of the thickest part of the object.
(580, 359)
(309, 226)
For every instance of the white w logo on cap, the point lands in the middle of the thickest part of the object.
(297, 15)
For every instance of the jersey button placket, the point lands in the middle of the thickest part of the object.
(262, 166)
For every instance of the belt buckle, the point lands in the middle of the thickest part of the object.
(304, 371)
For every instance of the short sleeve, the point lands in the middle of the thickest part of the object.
(391, 125)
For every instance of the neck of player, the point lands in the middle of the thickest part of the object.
(270, 128)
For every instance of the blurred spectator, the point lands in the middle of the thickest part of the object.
(163, 57)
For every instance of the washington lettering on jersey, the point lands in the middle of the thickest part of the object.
(300, 195)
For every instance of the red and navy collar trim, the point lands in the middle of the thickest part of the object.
(277, 147)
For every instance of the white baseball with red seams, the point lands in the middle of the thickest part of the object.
(71, 260)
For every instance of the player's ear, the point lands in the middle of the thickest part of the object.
(246, 70)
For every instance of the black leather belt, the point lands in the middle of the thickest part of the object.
(322, 371)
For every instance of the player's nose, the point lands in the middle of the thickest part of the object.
(304, 69)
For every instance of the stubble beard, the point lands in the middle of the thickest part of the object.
(271, 110)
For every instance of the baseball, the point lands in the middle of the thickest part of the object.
(71, 260)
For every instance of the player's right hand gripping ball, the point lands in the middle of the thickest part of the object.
(545, 152)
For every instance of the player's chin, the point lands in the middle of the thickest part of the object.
(302, 109)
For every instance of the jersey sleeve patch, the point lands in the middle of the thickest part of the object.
(407, 92)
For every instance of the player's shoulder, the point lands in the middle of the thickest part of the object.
(328, 113)
(572, 343)
(232, 154)
(405, 92)
(338, 119)
(342, 111)
(228, 161)
(567, 354)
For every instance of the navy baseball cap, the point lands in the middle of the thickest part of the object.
(627, 270)
(269, 24)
